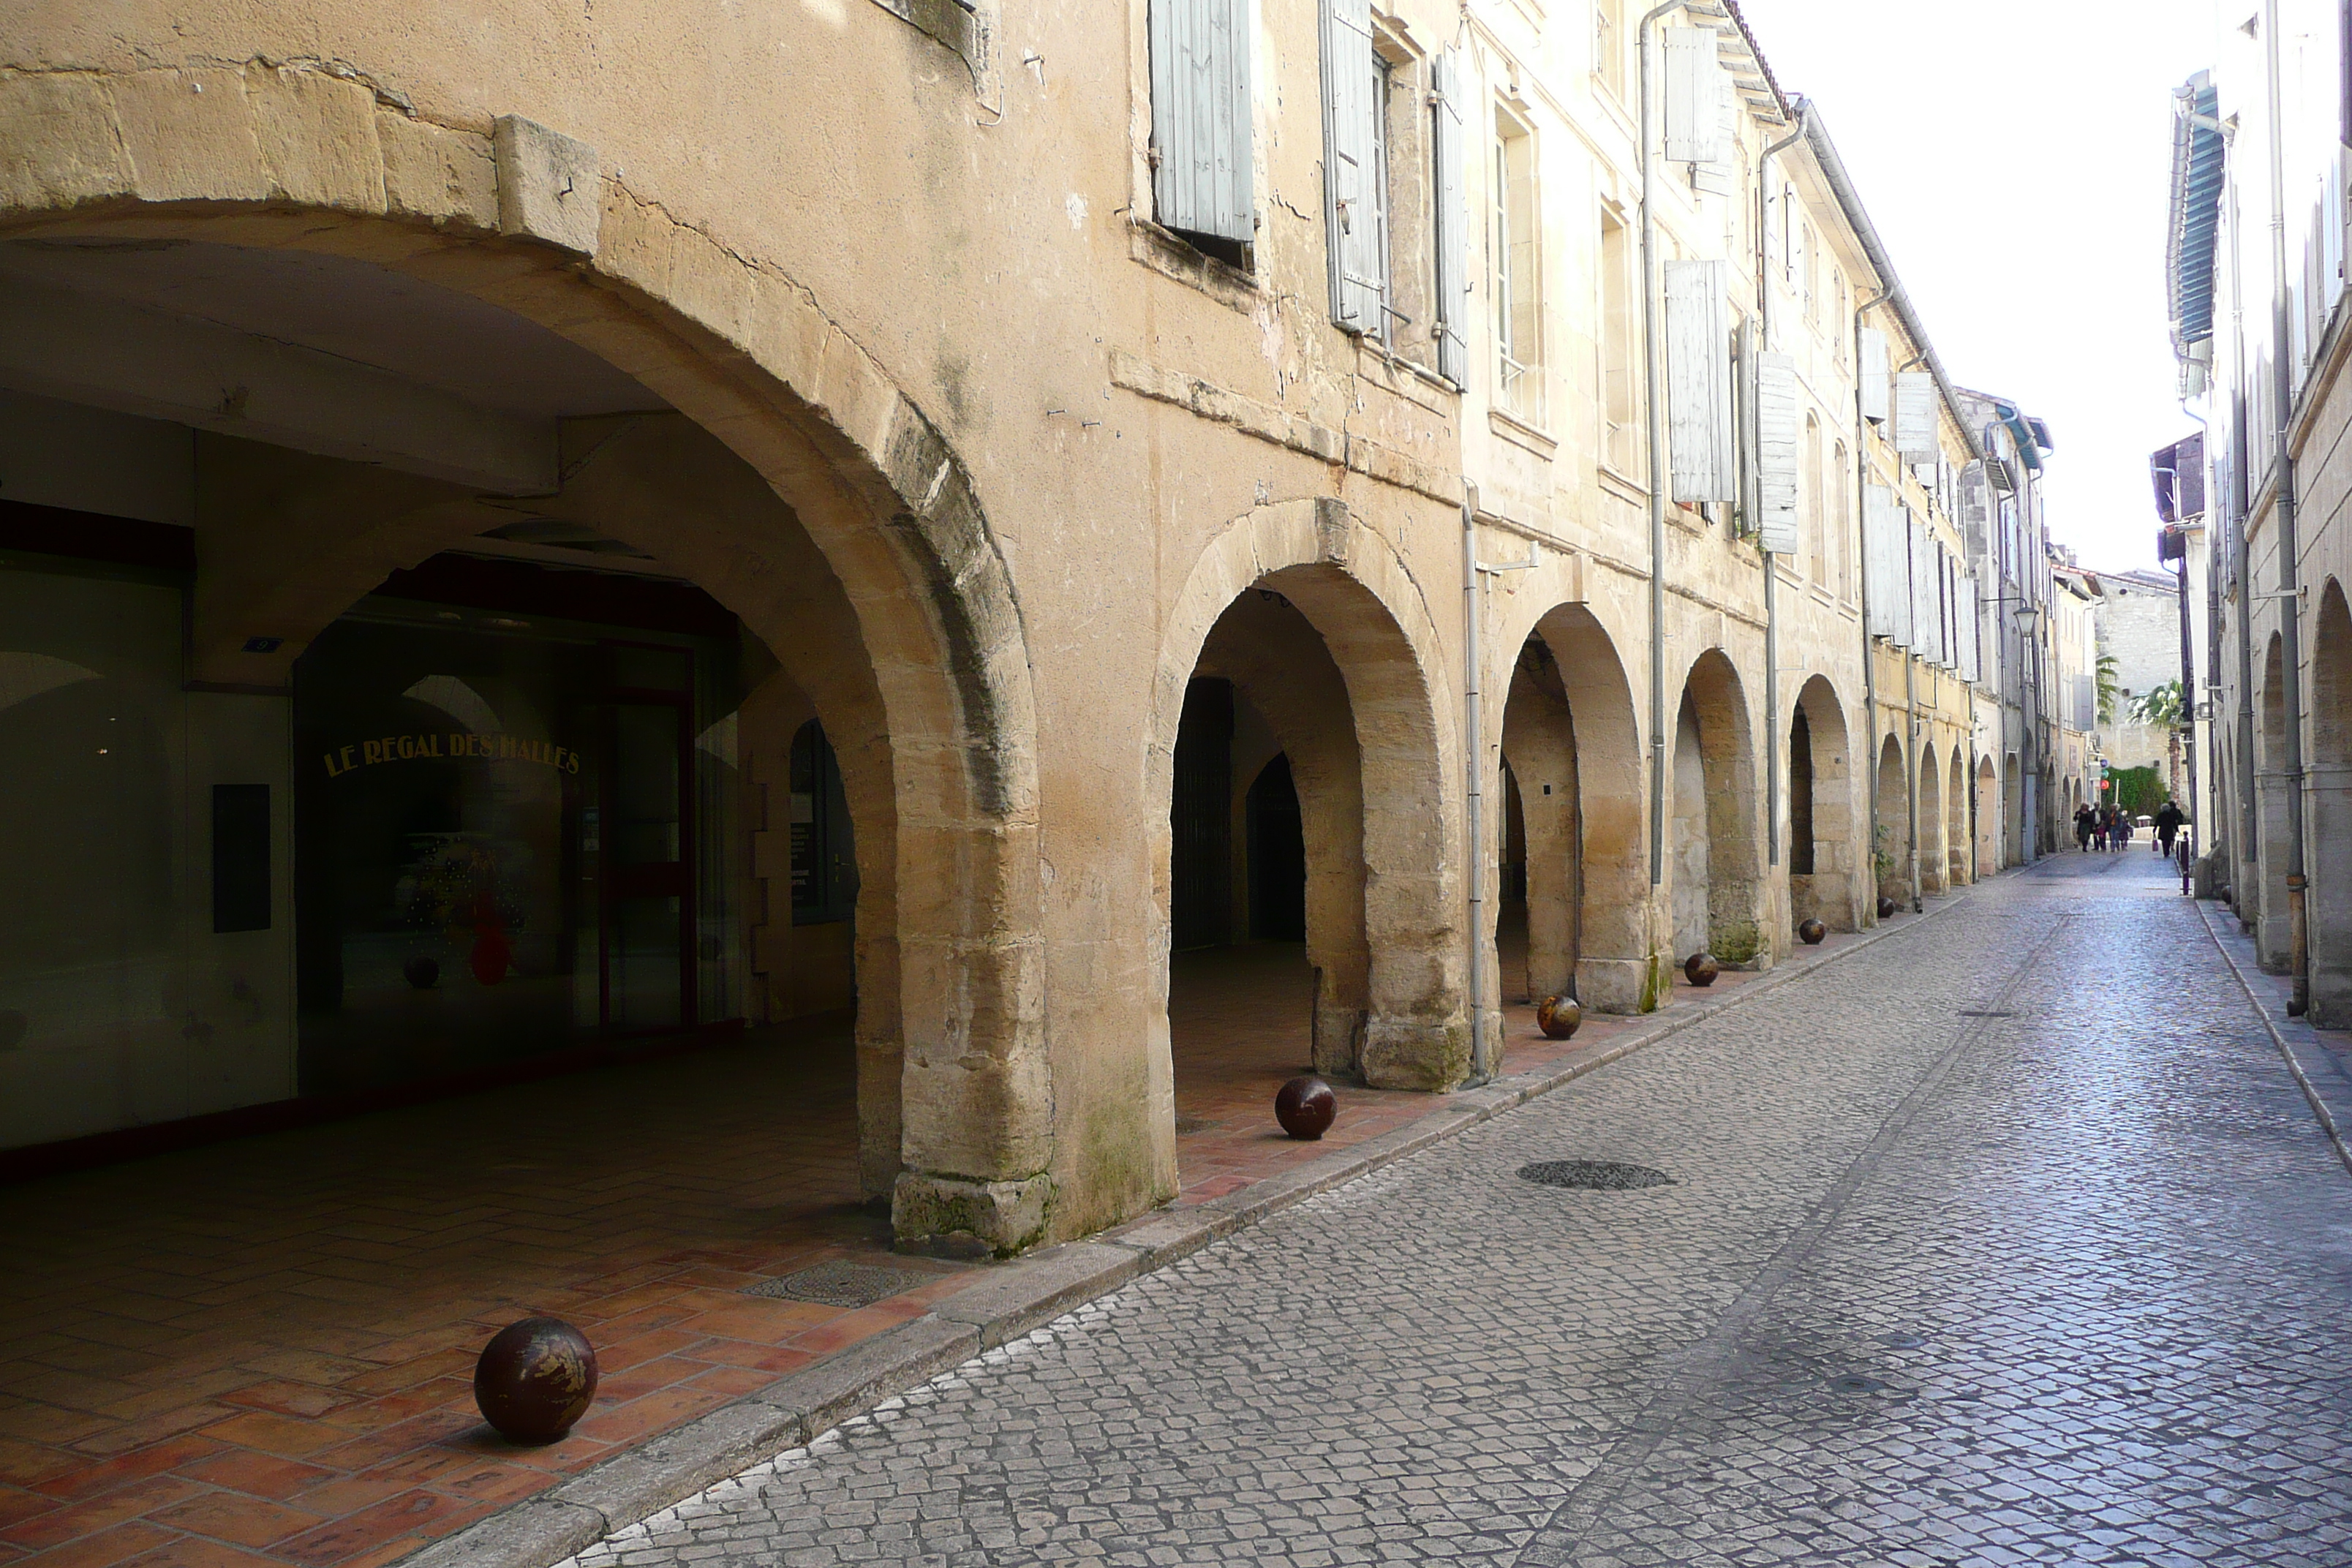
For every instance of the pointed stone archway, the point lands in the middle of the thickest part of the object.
(1714, 852)
(2328, 772)
(1824, 875)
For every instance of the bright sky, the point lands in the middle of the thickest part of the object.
(2015, 155)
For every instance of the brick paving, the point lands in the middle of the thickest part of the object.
(2011, 1240)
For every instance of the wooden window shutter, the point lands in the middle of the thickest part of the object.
(1915, 416)
(1875, 371)
(1924, 598)
(1778, 427)
(1351, 219)
(1201, 142)
(1882, 573)
(1453, 221)
(1715, 175)
(1698, 381)
(1693, 106)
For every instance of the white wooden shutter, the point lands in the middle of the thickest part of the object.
(1778, 426)
(1874, 377)
(1693, 106)
(1924, 599)
(1201, 174)
(1882, 561)
(1698, 380)
(1351, 224)
(1452, 220)
(1792, 234)
(1971, 631)
(1915, 416)
(1715, 175)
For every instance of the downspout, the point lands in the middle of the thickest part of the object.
(1862, 595)
(1774, 737)
(2245, 889)
(1911, 726)
(2187, 716)
(2282, 482)
(1473, 799)
(1654, 375)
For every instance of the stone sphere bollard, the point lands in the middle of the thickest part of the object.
(422, 972)
(1558, 1016)
(535, 1379)
(1700, 968)
(1305, 1107)
(1885, 908)
(1812, 932)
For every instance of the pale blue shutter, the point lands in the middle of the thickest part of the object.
(1201, 177)
(1779, 426)
(1698, 380)
(1881, 576)
(1693, 106)
(1453, 222)
(1875, 372)
(1915, 416)
(1350, 213)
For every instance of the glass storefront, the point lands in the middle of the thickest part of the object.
(512, 839)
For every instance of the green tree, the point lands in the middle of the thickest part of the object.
(2109, 689)
(2161, 705)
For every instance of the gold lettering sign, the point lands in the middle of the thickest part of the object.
(445, 746)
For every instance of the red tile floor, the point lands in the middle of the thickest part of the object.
(260, 1352)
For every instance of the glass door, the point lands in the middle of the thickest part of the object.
(646, 841)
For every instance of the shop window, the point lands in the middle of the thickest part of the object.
(824, 855)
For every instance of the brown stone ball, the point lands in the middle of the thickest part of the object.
(1558, 1016)
(1305, 1106)
(1886, 908)
(1701, 968)
(1812, 932)
(535, 1379)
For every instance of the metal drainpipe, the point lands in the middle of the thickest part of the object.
(1654, 372)
(1862, 594)
(2246, 889)
(2290, 630)
(1473, 799)
(1911, 733)
(1774, 738)
(2188, 646)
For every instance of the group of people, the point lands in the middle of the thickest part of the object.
(2111, 828)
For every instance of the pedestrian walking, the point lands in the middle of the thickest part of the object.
(2168, 819)
(2121, 839)
(2099, 820)
(2083, 828)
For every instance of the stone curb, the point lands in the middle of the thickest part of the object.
(1013, 1299)
(2287, 1038)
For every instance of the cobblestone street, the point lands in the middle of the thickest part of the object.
(2010, 1238)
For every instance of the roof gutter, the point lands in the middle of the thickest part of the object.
(1832, 167)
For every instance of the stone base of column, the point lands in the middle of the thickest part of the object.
(1005, 1217)
(1616, 985)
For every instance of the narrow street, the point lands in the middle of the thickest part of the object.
(2008, 1239)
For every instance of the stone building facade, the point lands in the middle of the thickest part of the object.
(2256, 258)
(510, 551)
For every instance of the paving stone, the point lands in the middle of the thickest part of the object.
(2090, 1257)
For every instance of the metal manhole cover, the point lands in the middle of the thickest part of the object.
(1901, 1341)
(1593, 1175)
(839, 1284)
(1855, 1383)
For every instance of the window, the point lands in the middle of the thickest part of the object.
(1376, 217)
(1610, 45)
(1201, 155)
(1816, 525)
(1841, 527)
(1518, 378)
(1621, 439)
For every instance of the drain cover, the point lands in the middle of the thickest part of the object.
(1985, 1013)
(1593, 1175)
(1855, 1383)
(840, 1284)
(1901, 1341)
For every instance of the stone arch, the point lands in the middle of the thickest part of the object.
(1822, 843)
(1402, 1023)
(2272, 939)
(1717, 883)
(1988, 797)
(1569, 736)
(1892, 832)
(753, 367)
(2328, 781)
(1956, 812)
(1930, 848)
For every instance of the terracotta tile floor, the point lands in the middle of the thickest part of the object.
(261, 1351)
